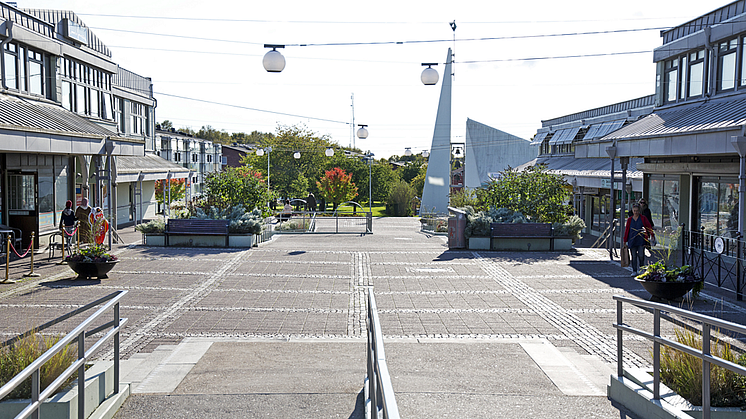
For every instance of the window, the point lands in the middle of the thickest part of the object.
(67, 100)
(22, 192)
(717, 206)
(671, 80)
(35, 72)
(696, 73)
(10, 72)
(137, 113)
(85, 90)
(209, 158)
(727, 64)
(663, 202)
(24, 69)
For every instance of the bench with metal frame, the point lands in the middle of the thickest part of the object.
(196, 227)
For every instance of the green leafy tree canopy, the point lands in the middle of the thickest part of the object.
(178, 189)
(235, 186)
(540, 195)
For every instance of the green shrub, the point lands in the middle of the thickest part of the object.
(241, 221)
(683, 372)
(156, 225)
(572, 227)
(399, 203)
(297, 224)
(15, 358)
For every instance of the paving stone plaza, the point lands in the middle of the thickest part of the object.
(281, 328)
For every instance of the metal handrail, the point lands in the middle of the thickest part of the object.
(707, 323)
(379, 388)
(79, 334)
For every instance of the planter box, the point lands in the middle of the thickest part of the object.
(99, 389)
(479, 243)
(634, 392)
(241, 240)
(155, 239)
(196, 241)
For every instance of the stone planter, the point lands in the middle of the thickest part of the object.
(99, 389)
(666, 290)
(241, 240)
(155, 239)
(479, 243)
(92, 269)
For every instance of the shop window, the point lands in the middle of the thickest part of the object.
(22, 194)
(717, 205)
(600, 211)
(46, 200)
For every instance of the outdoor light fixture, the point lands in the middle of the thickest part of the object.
(429, 75)
(296, 155)
(408, 151)
(260, 152)
(425, 153)
(273, 61)
(362, 133)
(329, 152)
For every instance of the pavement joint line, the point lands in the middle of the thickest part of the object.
(586, 336)
(167, 316)
(216, 290)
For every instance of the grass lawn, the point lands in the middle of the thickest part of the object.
(378, 209)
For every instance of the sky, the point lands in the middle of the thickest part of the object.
(205, 60)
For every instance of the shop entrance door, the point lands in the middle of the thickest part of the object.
(23, 203)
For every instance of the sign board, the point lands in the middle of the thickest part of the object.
(590, 191)
(606, 183)
(719, 245)
(75, 32)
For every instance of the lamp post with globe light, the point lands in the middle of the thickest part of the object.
(362, 134)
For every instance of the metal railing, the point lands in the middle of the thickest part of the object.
(38, 396)
(706, 325)
(434, 222)
(355, 222)
(726, 265)
(379, 390)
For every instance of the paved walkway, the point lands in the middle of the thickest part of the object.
(279, 330)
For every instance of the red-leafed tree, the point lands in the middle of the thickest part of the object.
(336, 186)
(178, 189)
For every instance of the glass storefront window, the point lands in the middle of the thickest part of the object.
(46, 200)
(21, 189)
(60, 186)
(663, 200)
(717, 205)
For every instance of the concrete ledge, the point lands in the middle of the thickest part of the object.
(633, 391)
(99, 389)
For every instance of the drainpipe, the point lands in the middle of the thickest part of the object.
(711, 77)
(9, 30)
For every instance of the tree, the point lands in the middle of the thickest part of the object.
(384, 178)
(418, 183)
(166, 125)
(336, 187)
(178, 189)
(399, 202)
(235, 186)
(538, 194)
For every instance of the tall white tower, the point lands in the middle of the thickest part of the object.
(438, 179)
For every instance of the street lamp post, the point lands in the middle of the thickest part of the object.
(611, 151)
(362, 134)
(260, 152)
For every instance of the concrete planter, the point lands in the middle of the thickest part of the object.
(479, 243)
(99, 389)
(155, 239)
(241, 240)
(196, 241)
(634, 392)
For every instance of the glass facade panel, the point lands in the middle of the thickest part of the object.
(717, 205)
(67, 95)
(46, 200)
(728, 71)
(80, 99)
(696, 75)
(655, 200)
(21, 188)
(728, 209)
(61, 190)
(36, 77)
(670, 209)
(9, 72)
(671, 83)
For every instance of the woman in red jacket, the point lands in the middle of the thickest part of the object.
(639, 227)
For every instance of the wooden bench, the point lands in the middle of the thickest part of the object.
(196, 227)
(523, 231)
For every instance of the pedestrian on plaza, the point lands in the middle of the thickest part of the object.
(67, 223)
(287, 211)
(644, 210)
(311, 202)
(636, 235)
(84, 226)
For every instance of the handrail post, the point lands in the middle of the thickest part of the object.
(657, 355)
(739, 294)
(35, 390)
(705, 371)
(619, 341)
(116, 348)
(81, 376)
(702, 252)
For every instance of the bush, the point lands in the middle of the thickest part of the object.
(399, 203)
(156, 225)
(572, 227)
(299, 224)
(683, 372)
(15, 358)
(478, 224)
(241, 221)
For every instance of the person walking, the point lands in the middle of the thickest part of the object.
(67, 223)
(644, 210)
(311, 202)
(84, 226)
(636, 236)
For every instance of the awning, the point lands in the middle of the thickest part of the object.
(602, 129)
(571, 166)
(692, 118)
(150, 166)
(539, 138)
(564, 136)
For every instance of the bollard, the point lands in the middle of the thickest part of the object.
(64, 240)
(32, 274)
(7, 263)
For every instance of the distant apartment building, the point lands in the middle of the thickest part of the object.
(198, 156)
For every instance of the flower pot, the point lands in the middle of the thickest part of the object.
(667, 290)
(92, 269)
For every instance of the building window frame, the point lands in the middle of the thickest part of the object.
(727, 71)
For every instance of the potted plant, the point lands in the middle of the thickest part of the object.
(93, 259)
(663, 279)
(153, 232)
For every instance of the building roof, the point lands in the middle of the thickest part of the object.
(147, 164)
(708, 116)
(21, 114)
(570, 166)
